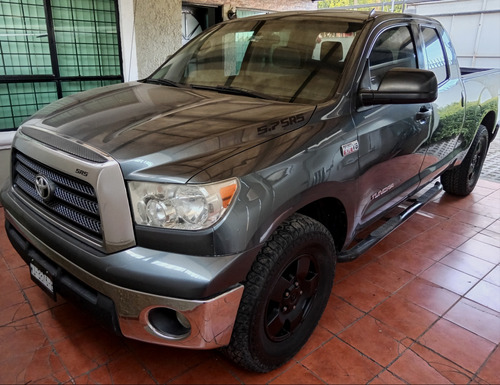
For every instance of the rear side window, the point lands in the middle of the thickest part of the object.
(435, 59)
(450, 52)
(393, 48)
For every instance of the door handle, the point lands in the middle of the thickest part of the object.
(423, 115)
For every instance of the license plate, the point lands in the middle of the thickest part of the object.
(42, 278)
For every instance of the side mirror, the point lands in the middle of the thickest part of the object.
(403, 86)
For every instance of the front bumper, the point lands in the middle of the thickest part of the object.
(135, 314)
(185, 299)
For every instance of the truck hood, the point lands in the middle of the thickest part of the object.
(167, 132)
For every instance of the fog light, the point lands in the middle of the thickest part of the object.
(168, 323)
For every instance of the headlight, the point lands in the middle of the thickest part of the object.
(186, 207)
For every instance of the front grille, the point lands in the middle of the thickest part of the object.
(73, 200)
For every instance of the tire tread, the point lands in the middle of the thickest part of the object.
(455, 180)
(239, 350)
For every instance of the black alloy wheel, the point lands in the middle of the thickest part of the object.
(291, 297)
(286, 292)
(462, 180)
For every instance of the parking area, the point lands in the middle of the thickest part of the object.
(491, 169)
(423, 306)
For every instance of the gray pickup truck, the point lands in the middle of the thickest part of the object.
(207, 205)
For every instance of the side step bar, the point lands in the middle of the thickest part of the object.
(388, 227)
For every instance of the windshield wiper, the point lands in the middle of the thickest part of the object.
(221, 89)
(163, 82)
(232, 91)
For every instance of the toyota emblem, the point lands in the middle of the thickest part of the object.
(44, 187)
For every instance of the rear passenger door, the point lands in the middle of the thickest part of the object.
(391, 137)
(449, 109)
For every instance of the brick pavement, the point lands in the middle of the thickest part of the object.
(420, 307)
(491, 168)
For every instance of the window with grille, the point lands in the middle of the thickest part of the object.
(54, 48)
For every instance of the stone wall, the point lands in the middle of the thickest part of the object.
(157, 32)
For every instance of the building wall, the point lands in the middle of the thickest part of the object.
(156, 29)
(268, 5)
(473, 25)
(157, 32)
(127, 36)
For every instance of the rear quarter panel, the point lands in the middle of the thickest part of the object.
(481, 98)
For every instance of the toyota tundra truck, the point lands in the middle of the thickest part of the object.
(206, 206)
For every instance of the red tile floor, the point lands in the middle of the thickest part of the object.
(423, 306)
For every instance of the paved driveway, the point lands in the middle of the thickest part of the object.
(491, 168)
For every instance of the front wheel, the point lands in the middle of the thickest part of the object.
(461, 180)
(285, 294)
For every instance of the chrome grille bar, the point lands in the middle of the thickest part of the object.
(73, 200)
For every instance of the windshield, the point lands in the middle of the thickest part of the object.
(289, 59)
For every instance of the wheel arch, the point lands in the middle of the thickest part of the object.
(489, 121)
(331, 213)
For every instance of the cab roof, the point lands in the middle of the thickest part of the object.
(345, 15)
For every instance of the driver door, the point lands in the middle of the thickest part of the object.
(391, 137)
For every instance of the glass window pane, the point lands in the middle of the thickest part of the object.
(434, 54)
(86, 44)
(20, 100)
(23, 38)
(83, 35)
(393, 48)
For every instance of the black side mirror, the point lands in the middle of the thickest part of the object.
(403, 86)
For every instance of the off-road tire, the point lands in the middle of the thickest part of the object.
(285, 294)
(462, 179)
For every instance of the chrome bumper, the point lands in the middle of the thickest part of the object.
(211, 322)
(202, 324)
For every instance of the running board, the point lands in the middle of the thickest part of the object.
(388, 227)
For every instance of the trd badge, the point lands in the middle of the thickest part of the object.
(350, 148)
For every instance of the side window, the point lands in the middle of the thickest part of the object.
(393, 48)
(434, 54)
(450, 51)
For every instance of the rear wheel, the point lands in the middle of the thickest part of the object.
(461, 180)
(285, 294)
